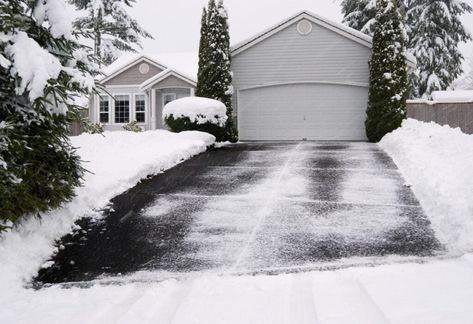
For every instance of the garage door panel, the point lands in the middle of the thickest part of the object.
(297, 111)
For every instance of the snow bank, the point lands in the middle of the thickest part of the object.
(200, 110)
(453, 96)
(438, 162)
(117, 161)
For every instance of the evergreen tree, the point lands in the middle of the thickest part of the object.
(360, 14)
(214, 76)
(388, 73)
(465, 82)
(109, 25)
(202, 88)
(42, 70)
(435, 33)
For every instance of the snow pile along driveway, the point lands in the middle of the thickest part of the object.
(117, 161)
(438, 162)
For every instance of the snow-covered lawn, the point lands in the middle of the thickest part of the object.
(437, 163)
(117, 161)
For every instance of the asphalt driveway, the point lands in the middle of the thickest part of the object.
(252, 207)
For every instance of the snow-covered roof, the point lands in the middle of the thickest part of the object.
(339, 28)
(184, 64)
(453, 96)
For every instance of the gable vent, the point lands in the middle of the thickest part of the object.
(304, 27)
(144, 68)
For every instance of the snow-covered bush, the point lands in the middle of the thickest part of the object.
(90, 128)
(196, 113)
(42, 70)
(133, 127)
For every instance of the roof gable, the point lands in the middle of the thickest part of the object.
(316, 19)
(123, 67)
(338, 28)
(164, 75)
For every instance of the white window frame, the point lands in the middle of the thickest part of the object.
(109, 108)
(130, 97)
(168, 94)
(146, 107)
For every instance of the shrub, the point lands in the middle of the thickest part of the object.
(181, 124)
(93, 128)
(196, 113)
(133, 127)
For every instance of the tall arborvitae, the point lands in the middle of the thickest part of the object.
(434, 35)
(215, 77)
(388, 73)
(42, 69)
(110, 26)
(201, 89)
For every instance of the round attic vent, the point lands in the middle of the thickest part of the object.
(144, 68)
(304, 27)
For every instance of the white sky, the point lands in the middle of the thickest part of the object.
(175, 24)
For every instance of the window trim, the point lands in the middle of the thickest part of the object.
(130, 108)
(166, 94)
(146, 107)
(109, 108)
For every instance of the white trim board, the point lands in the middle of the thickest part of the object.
(162, 76)
(275, 84)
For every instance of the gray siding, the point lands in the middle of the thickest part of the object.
(287, 56)
(133, 76)
(172, 82)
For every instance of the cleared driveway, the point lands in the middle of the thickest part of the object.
(252, 207)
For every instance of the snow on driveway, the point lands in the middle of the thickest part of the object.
(251, 208)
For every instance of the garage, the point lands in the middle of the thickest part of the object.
(303, 111)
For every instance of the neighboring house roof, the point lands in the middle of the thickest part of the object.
(338, 28)
(163, 75)
(183, 64)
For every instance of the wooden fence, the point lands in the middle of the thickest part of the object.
(452, 114)
(76, 127)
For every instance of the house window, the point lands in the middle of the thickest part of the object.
(168, 97)
(104, 109)
(140, 106)
(122, 109)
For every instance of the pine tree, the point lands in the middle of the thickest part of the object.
(360, 14)
(42, 70)
(388, 73)
(109, 25)
(465, 82)
(214, 76)
(435, 33)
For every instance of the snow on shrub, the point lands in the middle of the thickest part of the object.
(437, 161)
(196, 113)
(198, 110)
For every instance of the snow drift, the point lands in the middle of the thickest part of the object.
(197, 109)
(438, 162)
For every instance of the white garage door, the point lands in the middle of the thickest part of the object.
(303, 111)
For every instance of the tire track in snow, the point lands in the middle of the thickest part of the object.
(273, 181)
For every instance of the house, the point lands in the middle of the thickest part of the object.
(136, 88)
(304, 78)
